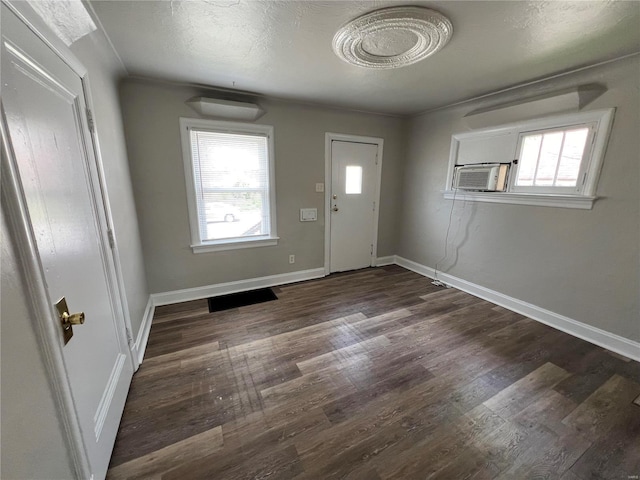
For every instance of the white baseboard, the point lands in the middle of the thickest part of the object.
(143, 333)
(107, 395)
(382, 261)
(597, 336)
(197, 293)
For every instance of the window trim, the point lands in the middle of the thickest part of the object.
(197, 244)
(601, 119)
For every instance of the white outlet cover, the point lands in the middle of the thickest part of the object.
(319, 187)
(308, 214)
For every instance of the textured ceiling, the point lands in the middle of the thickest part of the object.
(283, 48)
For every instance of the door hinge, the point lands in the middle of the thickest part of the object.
(129, 337)
(374, 206)
(90, 121)
(112, 238)
(376, 158)
(372, 249)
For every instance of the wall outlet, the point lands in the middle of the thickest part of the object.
(292, 259)
(319, 187)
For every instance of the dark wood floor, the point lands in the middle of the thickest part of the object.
(370, 375)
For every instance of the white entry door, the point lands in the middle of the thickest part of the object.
(44, 107)
(354, 179)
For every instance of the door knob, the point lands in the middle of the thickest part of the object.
(68, 319)
(72, 319)
(335, 208)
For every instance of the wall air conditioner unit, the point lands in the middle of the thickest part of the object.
(487, 177)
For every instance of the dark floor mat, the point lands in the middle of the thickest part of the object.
(241, 299)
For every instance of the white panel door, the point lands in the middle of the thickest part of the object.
(353, 209)
(44, 107)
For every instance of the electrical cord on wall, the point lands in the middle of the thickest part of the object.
(437, 282)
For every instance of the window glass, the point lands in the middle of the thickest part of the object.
(548, 159)
(232, 184)
(529, 159)
(551, 159)
(229, 176)
(569, 168)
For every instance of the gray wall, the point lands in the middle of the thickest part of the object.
(33, 445)
(151, 112)
(583, 264)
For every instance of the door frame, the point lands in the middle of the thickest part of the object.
(343, 137)
(45, 317)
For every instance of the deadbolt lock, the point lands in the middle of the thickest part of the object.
(68, 319)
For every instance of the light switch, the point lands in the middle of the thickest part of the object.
(308, 214)
(319, 187)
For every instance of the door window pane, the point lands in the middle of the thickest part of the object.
(353, 182)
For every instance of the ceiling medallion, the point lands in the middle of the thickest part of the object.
(392, 37)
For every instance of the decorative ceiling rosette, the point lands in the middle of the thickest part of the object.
(392, 37)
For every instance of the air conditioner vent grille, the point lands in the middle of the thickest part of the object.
(484, 177)
(474, 179)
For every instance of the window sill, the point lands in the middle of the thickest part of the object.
(537, 199)
(234, 244)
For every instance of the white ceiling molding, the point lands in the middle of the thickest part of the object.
(565, 100)
(213, 107)
(392, 37)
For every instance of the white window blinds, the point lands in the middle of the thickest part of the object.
(231, 180)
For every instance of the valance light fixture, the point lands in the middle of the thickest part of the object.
(392, 37)
(213, 107)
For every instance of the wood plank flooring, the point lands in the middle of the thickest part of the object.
(375, 374)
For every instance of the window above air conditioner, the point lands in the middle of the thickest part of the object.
(553, 161)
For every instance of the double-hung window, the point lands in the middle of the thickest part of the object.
(230, 184)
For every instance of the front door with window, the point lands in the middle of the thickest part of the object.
(353, 209)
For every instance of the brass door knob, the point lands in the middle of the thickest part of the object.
(335, 208)
(72, 319)
(67, 320)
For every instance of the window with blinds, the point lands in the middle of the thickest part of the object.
(230, 182)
